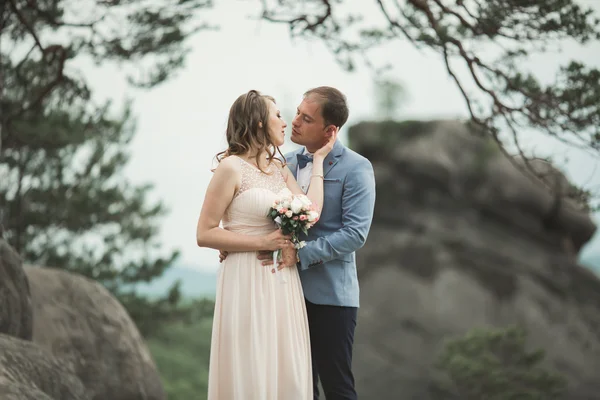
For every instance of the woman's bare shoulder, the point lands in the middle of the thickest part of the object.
(228, 165)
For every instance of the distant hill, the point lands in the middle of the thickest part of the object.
(202, 283)
(194, 283)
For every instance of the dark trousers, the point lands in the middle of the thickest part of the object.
(331, 339)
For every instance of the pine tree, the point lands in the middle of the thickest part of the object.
(495, 364)
(485, 47)
(64, 200)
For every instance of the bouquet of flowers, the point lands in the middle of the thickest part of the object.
(293, 213)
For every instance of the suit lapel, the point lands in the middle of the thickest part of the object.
(333, 157)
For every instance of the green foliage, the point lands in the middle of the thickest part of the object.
(496, 365)
(181, 351)
(586, 198)
(63, 196)
(40, 39)
(389, 94)
(491, 40)
(68, 205)
(142, 31)
(485, 47)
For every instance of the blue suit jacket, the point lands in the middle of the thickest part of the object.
(327, 262)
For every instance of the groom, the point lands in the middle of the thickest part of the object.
(327, 262)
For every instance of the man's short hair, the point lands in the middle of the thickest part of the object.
(334, 108)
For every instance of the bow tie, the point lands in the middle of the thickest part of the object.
(303, 160)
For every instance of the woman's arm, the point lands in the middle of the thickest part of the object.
(220, 192)
(315, 188)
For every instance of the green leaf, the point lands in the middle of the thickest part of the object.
(487, 363)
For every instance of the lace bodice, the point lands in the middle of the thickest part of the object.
(253, 178)
(248, 210)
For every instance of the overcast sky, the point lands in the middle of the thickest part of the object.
(181, 123)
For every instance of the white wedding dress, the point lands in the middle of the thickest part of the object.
(260, 348)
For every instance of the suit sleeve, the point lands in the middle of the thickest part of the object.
(358, 203)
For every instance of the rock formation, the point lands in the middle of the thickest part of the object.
(461, 238)
(81, 323)
(15, 300)
(65, 337)
(26, 371)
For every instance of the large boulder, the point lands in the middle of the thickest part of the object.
(462, 238)
(16, 318)
(26, 371)
(29, 373)
(79, 322)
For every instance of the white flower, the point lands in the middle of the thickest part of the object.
(305, 201)
(312, 216)
(289, 213)
(300, 245)
(284, 198)
(296, 205)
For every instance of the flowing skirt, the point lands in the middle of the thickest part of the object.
(260, 347)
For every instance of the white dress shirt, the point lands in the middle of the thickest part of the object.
(305, 173)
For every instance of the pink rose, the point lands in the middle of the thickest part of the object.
(303, 218)
(283, 210)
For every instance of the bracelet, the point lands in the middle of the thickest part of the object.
(320, 176)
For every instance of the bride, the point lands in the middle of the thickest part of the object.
(260, 347)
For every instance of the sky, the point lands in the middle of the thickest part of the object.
(181, 124)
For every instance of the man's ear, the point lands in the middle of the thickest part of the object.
(330, 130)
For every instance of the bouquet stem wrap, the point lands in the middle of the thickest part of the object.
(276, 258)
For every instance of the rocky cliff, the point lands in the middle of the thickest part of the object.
(64, 337)
(462, 238)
